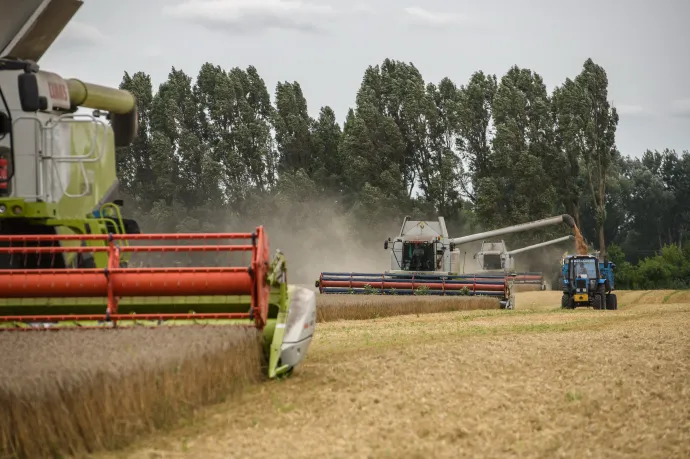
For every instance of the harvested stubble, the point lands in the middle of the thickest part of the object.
(518, 288)
(72, 391)
(330, 308)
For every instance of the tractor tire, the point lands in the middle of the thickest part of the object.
(571, 303)
(611, 302)
(86, 263)
(598, 302)
(564, 302)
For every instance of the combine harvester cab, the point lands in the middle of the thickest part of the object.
(66, 251)
(423, 257)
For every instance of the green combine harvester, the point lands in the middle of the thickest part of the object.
(65, 247)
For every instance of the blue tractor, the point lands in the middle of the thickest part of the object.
(588, 282)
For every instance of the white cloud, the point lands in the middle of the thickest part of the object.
(625, 109)
(431, 18)
(681, 108)
(362, 8)
(251, 15)
(78, 33)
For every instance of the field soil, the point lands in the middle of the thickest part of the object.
(536, 382)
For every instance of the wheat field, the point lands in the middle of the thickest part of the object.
(366, 307)
(79, 391)
(83, 391)
(535, 382)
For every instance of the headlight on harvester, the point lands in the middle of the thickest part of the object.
(3, 209)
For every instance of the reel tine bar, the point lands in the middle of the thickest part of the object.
(115, 281)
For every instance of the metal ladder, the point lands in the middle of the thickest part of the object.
(49, 158)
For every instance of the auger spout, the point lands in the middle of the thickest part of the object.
(565, 218)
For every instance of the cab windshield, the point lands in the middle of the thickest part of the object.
(418, 256)
(586, 266)
(492, 261)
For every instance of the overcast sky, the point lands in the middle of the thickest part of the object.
(326, 45)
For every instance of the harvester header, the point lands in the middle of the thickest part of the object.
(256, 294)
(65, 248)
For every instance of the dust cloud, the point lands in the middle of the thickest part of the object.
(317, 237)
(546, 260)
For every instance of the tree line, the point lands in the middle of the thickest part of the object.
(218, 151)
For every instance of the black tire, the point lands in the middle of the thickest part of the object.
(598, 302)
(614, 301)
(564, 302)
(571, 303)
(86, 263)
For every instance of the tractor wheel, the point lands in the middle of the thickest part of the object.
(571, 303)
(598, 302)
(85, 263)
(564, 302)
(611, 302)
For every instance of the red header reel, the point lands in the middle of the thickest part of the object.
(114, 282)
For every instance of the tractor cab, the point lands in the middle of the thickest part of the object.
(583, 268)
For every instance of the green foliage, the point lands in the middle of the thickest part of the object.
(421, 290)
(369, 290)
(216, 152)
(669, 269)
(587, 129)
